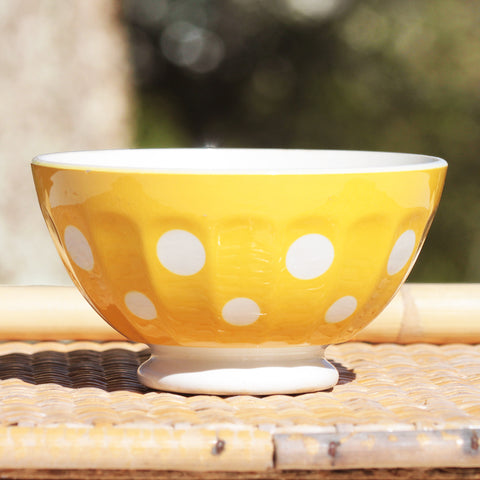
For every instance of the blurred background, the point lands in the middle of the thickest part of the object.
(341, 74)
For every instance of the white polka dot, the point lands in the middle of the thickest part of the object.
(140, 305)
(341, 309)
(401, 252)
(241, 311)
(310, 256)
(181, 252)
(78, 248)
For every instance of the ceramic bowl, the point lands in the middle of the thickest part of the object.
(238, 267)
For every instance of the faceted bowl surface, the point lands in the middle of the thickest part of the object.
(213, 247)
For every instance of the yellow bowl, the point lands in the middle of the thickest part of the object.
(200, 251)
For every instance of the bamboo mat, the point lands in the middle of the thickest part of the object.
(79, 405)
(406, 409)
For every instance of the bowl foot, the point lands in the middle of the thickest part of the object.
(235, 371)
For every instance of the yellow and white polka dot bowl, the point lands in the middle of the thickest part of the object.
(239, 266)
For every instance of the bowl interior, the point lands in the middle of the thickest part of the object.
(244, 161)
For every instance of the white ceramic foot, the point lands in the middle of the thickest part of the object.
(234, 371)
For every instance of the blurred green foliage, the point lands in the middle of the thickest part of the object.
(366, 75)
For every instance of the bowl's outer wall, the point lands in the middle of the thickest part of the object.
(160, 256)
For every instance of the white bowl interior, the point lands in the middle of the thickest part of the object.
(244, 161)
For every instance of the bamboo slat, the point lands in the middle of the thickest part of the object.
(432, 313)
(50, 313)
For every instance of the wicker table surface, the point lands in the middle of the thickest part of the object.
(79, 405)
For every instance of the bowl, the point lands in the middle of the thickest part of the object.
(238, 266)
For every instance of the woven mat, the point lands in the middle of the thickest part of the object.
(80, 405)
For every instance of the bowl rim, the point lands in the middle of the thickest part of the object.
(235, 161)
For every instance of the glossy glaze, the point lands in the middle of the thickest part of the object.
(238, 259)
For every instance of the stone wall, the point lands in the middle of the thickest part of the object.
(65, 84)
